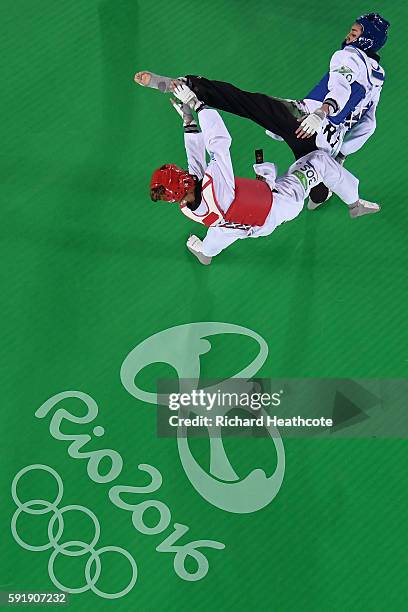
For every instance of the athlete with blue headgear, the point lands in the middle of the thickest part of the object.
(341, 108)
(337, 115)
(372, 34)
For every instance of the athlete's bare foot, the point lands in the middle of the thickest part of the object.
(149, 79)
(143, 78)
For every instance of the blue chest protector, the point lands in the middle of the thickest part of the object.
(319, 93)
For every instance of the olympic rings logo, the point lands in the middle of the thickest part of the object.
(80, 548)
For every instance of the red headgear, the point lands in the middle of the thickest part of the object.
(174, 180)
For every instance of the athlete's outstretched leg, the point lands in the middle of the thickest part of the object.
(272, 114)
(319, 166)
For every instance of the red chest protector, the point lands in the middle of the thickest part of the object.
(252, 202)
(251, 205)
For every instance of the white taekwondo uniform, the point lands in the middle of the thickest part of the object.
(354, 83)
(289, 190)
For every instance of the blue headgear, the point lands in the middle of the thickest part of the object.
(374, 34)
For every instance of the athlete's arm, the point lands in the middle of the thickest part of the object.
(216, 136)
(193, 140)
(216, 139)
(217, 142)
(344, 69)
(195, 151)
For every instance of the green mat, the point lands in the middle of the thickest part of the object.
(91, 268)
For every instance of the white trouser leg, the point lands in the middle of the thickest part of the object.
(318, 167)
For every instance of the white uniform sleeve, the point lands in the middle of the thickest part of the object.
(345, 68)
(217, 142)
(195, 150)
(359, 133)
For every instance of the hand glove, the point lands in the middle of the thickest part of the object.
(187, 96)
(186, 114)
(311, 124)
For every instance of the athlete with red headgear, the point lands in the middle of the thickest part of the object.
(234, 208)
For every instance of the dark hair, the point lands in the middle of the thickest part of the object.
(156, 193)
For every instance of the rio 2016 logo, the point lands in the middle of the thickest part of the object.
(180, 347)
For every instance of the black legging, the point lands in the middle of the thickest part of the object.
(270, 113)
